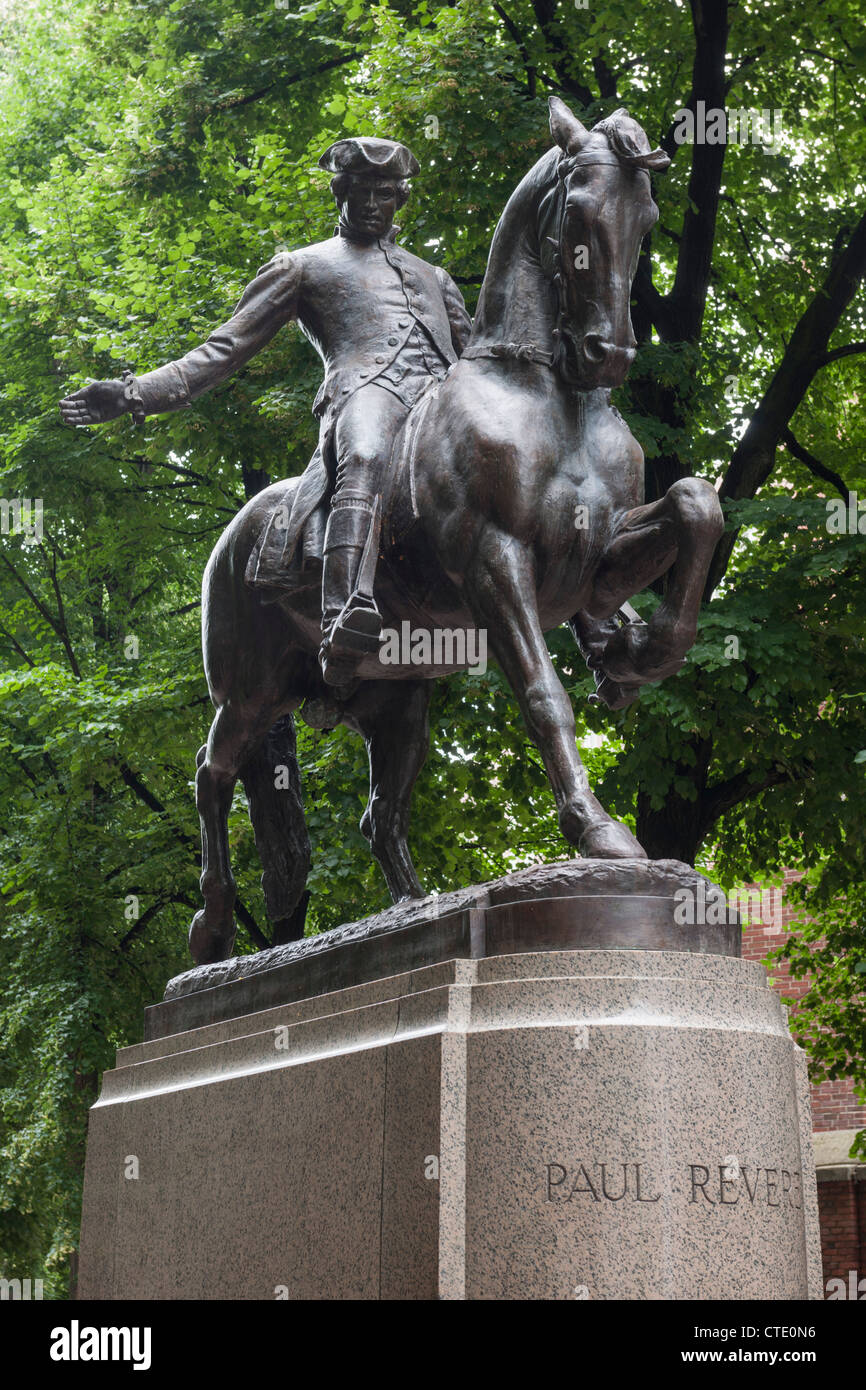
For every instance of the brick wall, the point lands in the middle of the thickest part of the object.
(842, 1201)
(833, 1102)
(842, 1216)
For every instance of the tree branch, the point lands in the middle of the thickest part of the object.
(244, 915)
(687, 298)
(63, 630)
(18, 647)
(605, 78)
(135, 784)
(52, 622)
(747, 62)
(650, 305)
(141, 923)
(229, 105)
(754, 457)
(835, 353)
(561, 56)
(814, 465)
(724, 796)
(148, 914)
(520, 44)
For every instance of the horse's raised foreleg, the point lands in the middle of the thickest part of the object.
(678, 533)
(500, 588)
(392, 718)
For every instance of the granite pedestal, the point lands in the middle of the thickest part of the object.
(553, 1123)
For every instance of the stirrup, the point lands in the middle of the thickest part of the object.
(357, 629)
(356, 633)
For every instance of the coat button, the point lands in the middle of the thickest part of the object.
(346, 390)
(403, 323)
(380, 359)
(363, 375)
(392, 342)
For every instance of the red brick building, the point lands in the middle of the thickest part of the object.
(836, 1117)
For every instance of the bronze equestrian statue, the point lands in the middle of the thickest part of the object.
(511, 502)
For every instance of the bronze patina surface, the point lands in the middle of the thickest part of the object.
(480, 483)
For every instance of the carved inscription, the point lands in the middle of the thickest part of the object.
(702, 1184)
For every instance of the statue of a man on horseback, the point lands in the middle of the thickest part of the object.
(386, 324)
(512, 501)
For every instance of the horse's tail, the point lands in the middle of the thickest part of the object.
(272, 782)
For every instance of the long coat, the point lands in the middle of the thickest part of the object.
(356, 301)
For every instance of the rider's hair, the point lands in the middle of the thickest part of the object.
(340, 185)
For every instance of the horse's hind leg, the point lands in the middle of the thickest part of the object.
(678, 533)
(233, 736)
(500, 586)
(392, 718)
(272, 782)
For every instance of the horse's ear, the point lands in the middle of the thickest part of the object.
(565, 128)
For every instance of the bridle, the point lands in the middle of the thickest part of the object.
(558, 358)
(566, 164)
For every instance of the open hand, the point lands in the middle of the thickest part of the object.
(96, 403)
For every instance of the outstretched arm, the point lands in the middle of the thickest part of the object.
(461, 323)
(267, 303)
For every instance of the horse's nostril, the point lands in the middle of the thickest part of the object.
(594, 347)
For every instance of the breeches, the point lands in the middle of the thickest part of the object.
(363, 438)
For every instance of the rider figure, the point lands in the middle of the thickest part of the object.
(385, 324)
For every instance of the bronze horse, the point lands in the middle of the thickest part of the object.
(514, 505)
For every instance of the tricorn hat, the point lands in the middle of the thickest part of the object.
(386, 158)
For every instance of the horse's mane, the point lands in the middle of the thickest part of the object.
(628, 141)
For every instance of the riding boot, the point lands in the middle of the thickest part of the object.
(351, 622)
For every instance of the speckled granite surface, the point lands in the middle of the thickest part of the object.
(555, 1125)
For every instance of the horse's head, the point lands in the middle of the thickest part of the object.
(601, 210)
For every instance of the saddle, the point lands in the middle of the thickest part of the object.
(288, 554)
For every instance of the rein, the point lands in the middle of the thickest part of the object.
(514, 352)
(557, 359)
(560, 345)
(531, 352)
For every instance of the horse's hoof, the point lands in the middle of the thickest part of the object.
(614, 695)
(207, 946)
(636, 656)
(610, 839)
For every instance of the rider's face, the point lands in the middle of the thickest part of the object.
(369, 205)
